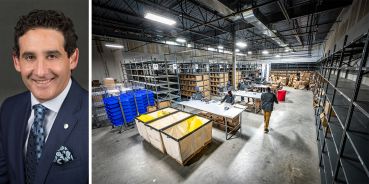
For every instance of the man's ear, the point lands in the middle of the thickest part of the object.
(16, 61)
(73, 59)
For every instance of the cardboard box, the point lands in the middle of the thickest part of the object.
(164, 104)
(323, 120)
(151, 108)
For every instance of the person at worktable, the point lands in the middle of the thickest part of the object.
(241, 86)
(229, 98)
(197, 95)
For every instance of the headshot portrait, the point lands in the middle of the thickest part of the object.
(44, 123)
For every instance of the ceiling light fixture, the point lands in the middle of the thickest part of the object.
(189, 45)
(220, 47)
(249, 52)
(181, 40)
(237, 50)
(116, 46)
(265, 52)
(159, 18)
(241, 44)
(171, 43)
(287, 50)
(277, 56)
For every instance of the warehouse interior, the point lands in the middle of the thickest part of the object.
(178, 91)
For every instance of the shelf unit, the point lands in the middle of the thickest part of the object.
(218, 80)
(342, 114)
(159, 76)
(294, 66)
(188, 83)
(98, 108)
(249, 71)
(193, 67)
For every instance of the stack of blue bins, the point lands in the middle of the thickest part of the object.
(113, 111)
(144, 98)
(129, 107)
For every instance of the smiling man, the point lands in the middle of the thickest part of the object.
(44, 131)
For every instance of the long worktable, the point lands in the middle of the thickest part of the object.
(248, 94)
(218, 109)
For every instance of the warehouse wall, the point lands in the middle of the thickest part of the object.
(353, 21)
(112, 58)
(11, 10)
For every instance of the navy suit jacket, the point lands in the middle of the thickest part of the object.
(14, 115)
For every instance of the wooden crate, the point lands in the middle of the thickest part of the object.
(140, 121)
(184, 146)
(154, 128)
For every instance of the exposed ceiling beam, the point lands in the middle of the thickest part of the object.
(305, 10)
(295, 28)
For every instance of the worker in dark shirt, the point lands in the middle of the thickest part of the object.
(197, 95)
(267, 102)
(241, 86)
(229, 98)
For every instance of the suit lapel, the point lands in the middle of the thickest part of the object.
(22, 138)
(58, 135)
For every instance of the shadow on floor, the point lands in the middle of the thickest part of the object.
(287, 101)
(291, 142)
(191, 166)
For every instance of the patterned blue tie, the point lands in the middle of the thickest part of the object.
(36, 141)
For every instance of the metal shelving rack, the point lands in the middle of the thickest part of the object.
(98, 108)
(293, 66)
(249, 70)
(343, 142)
(193, 67)
(159, 76)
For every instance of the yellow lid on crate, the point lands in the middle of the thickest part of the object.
(156, 114)
(185, 127)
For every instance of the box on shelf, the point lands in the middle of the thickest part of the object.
(164, 104)
(151, 108)
(109, 83)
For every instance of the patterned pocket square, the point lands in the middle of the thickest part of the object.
(63, 155)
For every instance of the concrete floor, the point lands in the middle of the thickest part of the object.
(288, 154)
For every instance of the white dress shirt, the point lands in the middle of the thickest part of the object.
(53, 105)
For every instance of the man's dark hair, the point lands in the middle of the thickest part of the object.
(268, 89)
(46, 19)
(230, 93)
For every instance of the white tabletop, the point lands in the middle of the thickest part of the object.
(260, 86)
(214, 107)
(247, 94)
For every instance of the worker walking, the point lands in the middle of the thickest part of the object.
(229, 98)
(267, 102)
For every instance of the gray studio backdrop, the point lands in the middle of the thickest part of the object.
(10, 11)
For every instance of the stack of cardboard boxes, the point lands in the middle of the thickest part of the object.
(188, 83)
(238, 78)
(216, 80)
(219, 121)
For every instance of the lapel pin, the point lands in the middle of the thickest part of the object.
(66, 126)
